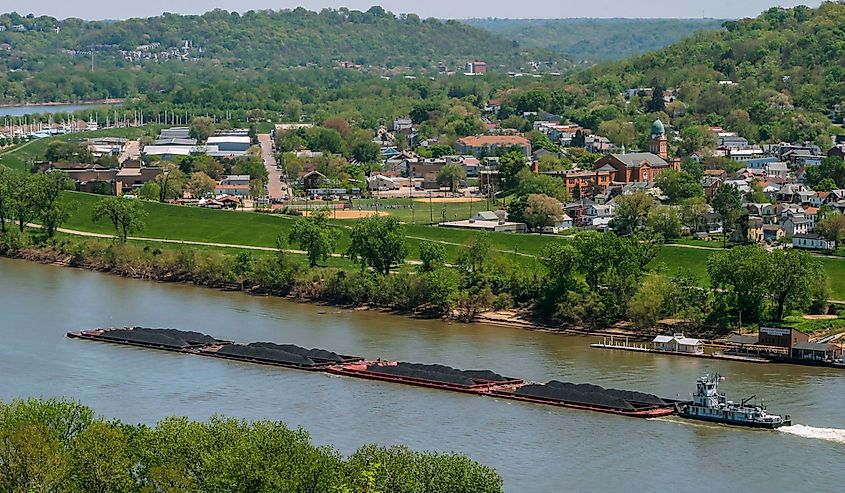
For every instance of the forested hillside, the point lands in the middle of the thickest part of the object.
(596, 40)
(777, 77)
(42, 58)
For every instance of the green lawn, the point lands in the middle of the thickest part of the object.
(255, 229)
(20, 157)
(412, 211)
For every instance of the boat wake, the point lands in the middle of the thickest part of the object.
(827, 434)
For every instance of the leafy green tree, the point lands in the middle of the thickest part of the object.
(509, 167)
(450, 176)
(202, 128)
(832, 227)
(665, 220)
(692, 210)
(696, 139)
(791, 278)
(8, 182)
(127, 216)
(442, 289)
(825, 185)
(366, 152)
(378, 242)
(631, 213)
(150, 191)
(45, 193)
(742, 276)
(832, 168)
(314, 235)
(727, 201)
(532, 183)
(542, 211)
(432, 255)
(170, 182)
(648, 306)
(679, 186)
(200, 185)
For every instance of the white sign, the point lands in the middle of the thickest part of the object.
(775, 332)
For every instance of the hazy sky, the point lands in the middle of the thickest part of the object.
(121, 9)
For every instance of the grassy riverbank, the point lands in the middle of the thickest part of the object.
(262, 230)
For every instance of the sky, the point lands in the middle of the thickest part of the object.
(460, 9)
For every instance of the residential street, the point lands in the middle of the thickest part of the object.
(274, 182)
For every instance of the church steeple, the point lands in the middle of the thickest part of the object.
(657, 142)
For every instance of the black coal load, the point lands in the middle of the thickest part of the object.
(314, 354)
(195, 338)
(589, 394)
(146, 337)
(259, 351)
(440, 373)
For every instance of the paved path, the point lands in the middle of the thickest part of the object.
(274, 181)
(195, 243)
(132, 150)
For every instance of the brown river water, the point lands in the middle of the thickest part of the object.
(534, 447)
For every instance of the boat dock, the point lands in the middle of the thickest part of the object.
(479, 382)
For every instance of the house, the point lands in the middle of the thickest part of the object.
(812, 241)
(773, 232)
(134, 176)
(677, 343)
(425, 169)
(312, 180)
(633, 167)
(382, 183)
(776, 169)
(491, 144)
(231, 189)
(403, 125)
(564, 224)
(798, 225)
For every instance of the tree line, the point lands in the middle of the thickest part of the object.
(60, 445)
(25, 198)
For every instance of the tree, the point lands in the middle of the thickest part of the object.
(665, 220)
(632, 212)
(825, 185)
(656, 104)
(450, 176)
(542, 211)
(832, 227)
(314, 235)
(200, 185)
(727, 201)
(366, 152)
(150, 191)
(127, 216)
(696, 139)
(432, 256)
(378, 242)
(619, 132)
(8, 182)
(202, 128)
(832, 167)
(679, 186)
(170, 182)
(692, 210)
(533, 183)
(45, 191)
(509, 166)
(791, 277)
(741, 275)
(62, 151)
(648, 306)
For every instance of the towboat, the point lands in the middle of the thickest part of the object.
(710, 405)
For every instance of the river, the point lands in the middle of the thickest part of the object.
(15, 111)
(535, 448)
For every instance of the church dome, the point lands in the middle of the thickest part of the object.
(657, 128)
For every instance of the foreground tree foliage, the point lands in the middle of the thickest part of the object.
(315, 236)
(127, 216)
(378, 242)
(59, 445)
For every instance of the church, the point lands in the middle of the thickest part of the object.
(641, 166)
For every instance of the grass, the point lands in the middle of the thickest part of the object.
(413, 211)
(826, 327)
(255, 229)
(21, 156)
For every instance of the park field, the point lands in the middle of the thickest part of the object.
(262, 230)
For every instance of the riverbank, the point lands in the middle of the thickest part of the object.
(65, 103)
(280, 276)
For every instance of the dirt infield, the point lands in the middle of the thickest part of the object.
(344, 214)
(451, 200)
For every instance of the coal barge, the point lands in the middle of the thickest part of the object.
(479, 382)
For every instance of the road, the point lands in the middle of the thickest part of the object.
(132, 150)
(274, 181)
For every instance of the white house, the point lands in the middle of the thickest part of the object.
(382, 183)
(812, 241)
(561, 226)
(677, 343)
